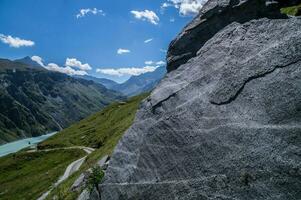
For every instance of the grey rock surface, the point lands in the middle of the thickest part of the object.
(79, 182)
(215, 15)
(224, 125)
(101, 163)
(85, 195)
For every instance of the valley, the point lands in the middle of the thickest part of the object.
(51, 158)
(34, 100)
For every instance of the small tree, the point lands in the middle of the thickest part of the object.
(95, 177)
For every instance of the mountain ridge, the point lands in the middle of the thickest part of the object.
(35, 100)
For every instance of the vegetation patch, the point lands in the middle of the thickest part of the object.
(28, 175)
(292, 10)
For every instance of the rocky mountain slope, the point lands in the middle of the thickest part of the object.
(140, 84)
(34, 101)
(225, 122)
(135, 85)
(103, 81)
(28, 61)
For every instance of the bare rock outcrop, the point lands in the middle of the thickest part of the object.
(225, 124)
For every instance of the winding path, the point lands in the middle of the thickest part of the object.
(73, 167)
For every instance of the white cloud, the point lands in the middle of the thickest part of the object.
(15, 41)
(185, 7)
(160, 63)
(163, 50)
(123, 51)
(133, 71)
(38, 60)
(172, 20)
(148, 40)
(54, 67)
(146, 15)
(65, 70)
(73, 62)
(149, 62)
(85, 11)
(166, 5)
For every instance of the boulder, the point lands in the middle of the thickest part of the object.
(215, 15)
(224, 125)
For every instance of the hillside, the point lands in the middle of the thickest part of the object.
(98, 130)
(26, 175)
(35, 101)
(43, 167)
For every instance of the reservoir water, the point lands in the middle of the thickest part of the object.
(13, 147)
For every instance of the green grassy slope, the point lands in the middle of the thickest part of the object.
(101, 130)
(28, 175)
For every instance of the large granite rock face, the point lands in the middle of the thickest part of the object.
(224, 125)
(215, 15)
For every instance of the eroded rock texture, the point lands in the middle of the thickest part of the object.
(214, 16)
(224, 125)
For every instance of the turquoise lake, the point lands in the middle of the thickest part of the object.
(13, 147)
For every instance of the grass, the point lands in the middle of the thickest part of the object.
(101, 130)
(292, 10)
(28, 175)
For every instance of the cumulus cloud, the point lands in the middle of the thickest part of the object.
(38, 60)
(158, 63)
(149, 62)
(54, 67)
(146, 15)
(65, 70)
(123, 51)
(133, 71)
(73, 62)
(15, 41)
(94, 11)
(148, 40)
(185, 7)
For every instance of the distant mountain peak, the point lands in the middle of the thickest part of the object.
(28, 61)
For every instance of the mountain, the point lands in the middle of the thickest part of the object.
(135, 85)
(142, 83)
(28, 61)
(35, 101)
(105, 82)
(225, 122)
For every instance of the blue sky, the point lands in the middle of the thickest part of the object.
(55, 30)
